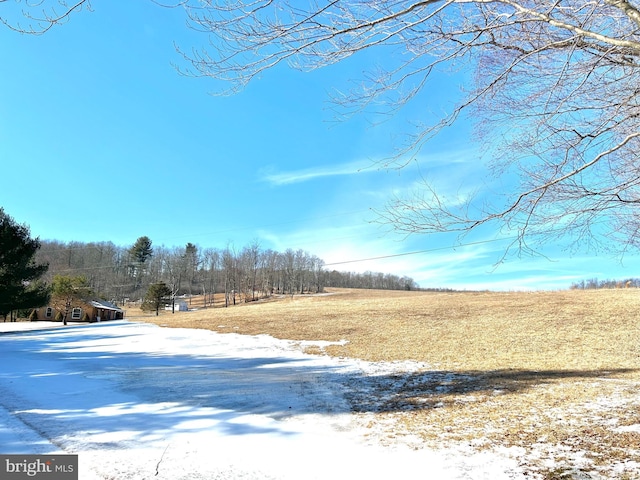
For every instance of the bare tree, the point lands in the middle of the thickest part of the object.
(230, 274)
(271, 272)
(554, 95)
(211, 261)
(317, 272)
(38, 17)
(250, 260)
(175, 271)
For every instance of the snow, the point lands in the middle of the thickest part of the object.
(138, 401)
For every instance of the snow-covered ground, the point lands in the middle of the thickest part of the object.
(137, 401)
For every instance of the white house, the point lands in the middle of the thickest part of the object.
(180, 306)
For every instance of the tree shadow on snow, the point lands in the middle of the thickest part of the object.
(66, 387)
(437, 389)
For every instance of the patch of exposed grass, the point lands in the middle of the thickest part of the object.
(554, 373)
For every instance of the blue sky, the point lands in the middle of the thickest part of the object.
(102, 140)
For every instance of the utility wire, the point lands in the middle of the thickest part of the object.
(449, 247)
(345, 262)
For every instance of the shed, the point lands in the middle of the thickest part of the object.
(180, 306)
(99, 310)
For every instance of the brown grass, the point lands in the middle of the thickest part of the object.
(535, 370)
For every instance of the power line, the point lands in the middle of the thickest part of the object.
(449, 247)
(345, 262)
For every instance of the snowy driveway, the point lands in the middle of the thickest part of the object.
(136, 401)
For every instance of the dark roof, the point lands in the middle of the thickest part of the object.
(104, 304)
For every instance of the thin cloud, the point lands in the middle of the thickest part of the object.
(308, 174)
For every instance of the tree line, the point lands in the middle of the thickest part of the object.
(35, 273)
(561, 75)
(125, 273)
(595, 284)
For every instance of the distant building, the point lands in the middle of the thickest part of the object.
(180, 306)
(95, 310)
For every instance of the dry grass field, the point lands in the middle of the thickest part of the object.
(555, 374)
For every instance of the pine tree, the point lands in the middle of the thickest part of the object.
(67, 292)
(19, 273)
(156, 296)
(142, 250)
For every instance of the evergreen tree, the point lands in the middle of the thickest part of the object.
(19, 273)
(156, 296)
(141, 251)
(68, 292)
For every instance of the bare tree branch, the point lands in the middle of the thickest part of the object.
(556, 83)
(42, 15)
(554, 95)
(630, 10)
(43, 20)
